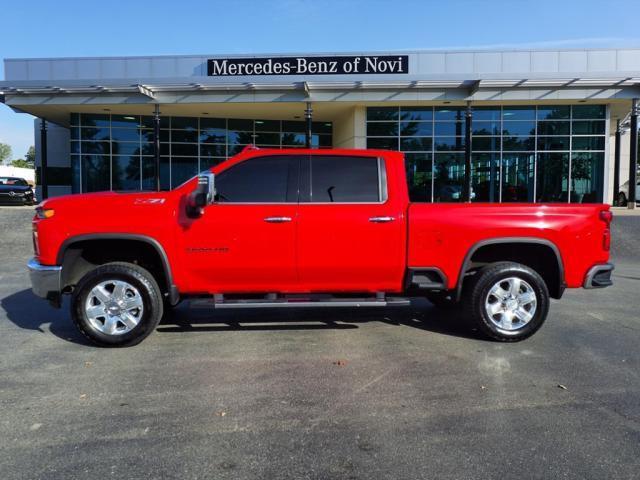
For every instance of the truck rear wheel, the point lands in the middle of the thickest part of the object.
(507, 301)
(117, 305)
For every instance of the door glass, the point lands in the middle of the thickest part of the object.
(260, 180)
(344, 179)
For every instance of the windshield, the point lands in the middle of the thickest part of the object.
(21, 182)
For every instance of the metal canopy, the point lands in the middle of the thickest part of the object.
(149, 90)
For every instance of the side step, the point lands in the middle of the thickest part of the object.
(321, 301)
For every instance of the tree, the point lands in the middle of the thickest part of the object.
(21, 163)
(30, 157)
(5, 153)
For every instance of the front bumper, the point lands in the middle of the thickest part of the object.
(599, 276)
(45, 280)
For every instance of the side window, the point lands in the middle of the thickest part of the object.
(260, 180)
(345, 179)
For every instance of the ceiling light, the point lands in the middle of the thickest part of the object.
(129, 118)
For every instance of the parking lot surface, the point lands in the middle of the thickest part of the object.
(400, 393)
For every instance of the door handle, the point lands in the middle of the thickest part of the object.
(277, 219)
(381, 219)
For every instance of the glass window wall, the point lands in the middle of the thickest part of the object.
(115, 152)
(546, 153)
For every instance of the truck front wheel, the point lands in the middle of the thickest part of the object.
(117, 304)
(507, 301)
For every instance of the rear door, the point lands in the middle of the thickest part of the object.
(350, 233)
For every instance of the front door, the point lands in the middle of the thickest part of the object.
(245, 241)
(351, 235)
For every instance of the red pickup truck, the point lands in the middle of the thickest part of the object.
(299, 228)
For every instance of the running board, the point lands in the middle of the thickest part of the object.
(219, 302)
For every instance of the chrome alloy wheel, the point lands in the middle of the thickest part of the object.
(511, 303)
(114, 307)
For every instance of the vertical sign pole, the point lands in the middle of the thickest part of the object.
(633, 156)
(43, 159)
(466, 192)
(616, 164)
(156, 144)
(308, 115)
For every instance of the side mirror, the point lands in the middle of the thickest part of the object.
(202, 196)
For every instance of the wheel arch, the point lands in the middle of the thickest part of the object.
(84, 239)
(555, 281)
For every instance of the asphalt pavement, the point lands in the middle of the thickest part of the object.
(401, 393)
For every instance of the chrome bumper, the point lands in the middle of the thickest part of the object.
(599, 276)
(45, 279)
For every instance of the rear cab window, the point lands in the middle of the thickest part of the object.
(343, 179)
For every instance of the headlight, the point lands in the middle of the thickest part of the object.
(43, 213)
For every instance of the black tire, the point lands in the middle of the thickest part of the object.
(622, 199)
(443, 300)
(136, 276)
(477, 289)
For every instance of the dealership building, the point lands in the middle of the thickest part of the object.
(522, 125)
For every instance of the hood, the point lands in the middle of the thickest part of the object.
(107, 203)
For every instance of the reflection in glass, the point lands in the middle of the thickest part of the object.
(76, 175)
(126, 141)
(419, 167)
(586, 127)
(485, 144)
(518, 177)
(587, 171)
(182, 169)
(515, 132)
(417, 129)
(125, 134)
(485, 128)
(415, 144)
(449, 143)
(588, 111)
(553, 143)
(449, 128)
(485, 172)
(96, 173)
(546, 112)
(184, 136)
(125, 172)
(554, 128)
(448, 113)
(267, 125)
(382, 113)
(518, 143)
(94, 133)
(416, 113)
(552, 177)
(588, 143)
(519, 113)
(125, 148)
(382, 129)
(518, 128)
(448, 177)
(382, 143)
(486, 113)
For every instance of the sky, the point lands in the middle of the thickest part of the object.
(82, 28)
